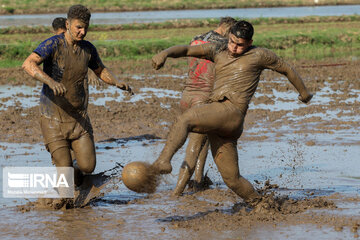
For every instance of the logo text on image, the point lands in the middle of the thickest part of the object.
(38, 182)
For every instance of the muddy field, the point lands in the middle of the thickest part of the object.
(305, 157)
(127, 118)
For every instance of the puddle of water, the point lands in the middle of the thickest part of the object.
(283, 100)
(28, 98)
(288, 100)
(160, 16)
(329, 166)
(30, 95)
(298, 170)
(286, 163)
(142, 94)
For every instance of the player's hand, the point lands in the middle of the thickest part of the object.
(306, 98)
(159, 60)
(125, 87)
(58, 88)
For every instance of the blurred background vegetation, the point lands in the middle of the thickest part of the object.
(292, 38)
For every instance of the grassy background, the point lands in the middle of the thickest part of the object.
(293, 39)
(46, 6)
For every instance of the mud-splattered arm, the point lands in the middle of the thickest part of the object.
(295, 79)
(272, 61)
(179, 51)
(31, 66)
(108, 77)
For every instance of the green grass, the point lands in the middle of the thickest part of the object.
(186, 23)
(295, 40)
(319, 52)
(135, 48)
(31, 6)
(10, 63)
(16, 51)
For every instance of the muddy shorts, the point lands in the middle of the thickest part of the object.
(63, 132)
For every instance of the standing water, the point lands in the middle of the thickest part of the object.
(160, 16)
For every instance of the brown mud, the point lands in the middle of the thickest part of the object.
(191, 213)
(272, 212)
(91, 188)
(143, 117)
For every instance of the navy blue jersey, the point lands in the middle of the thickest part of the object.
(69, 66)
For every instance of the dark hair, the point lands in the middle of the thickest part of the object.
(59, 23)
(229, 21)
(242, 29)
(79, 12)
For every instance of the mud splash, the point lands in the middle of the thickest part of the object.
(93, 187)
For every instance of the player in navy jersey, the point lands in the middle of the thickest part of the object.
(64, 120)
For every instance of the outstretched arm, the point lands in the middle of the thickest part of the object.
(107, 76)
(31, 66)
(272, 61)
(178, 51)
(295, 79)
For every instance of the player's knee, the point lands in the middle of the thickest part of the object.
(182, 119)
(87, 168)
(61, 157)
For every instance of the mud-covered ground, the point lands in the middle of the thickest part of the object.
(304, 155)
(120, 119)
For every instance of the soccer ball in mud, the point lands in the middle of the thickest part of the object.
(139, 177)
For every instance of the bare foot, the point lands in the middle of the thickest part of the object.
(161, 167)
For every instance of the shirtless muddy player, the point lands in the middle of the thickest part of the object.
(197, 91)
(238, 66)
(64, 121)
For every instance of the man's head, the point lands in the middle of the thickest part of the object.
(59, 25)
(224, 26)
(78, 19)
(240, 37)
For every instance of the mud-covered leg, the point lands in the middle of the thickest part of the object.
(187, 168)
(60, 154)
(84, 150)
(176, 138)
(216, 116)
(226, 158)
(78, 175)
(61, 158)
(200, 163)
(184, 176)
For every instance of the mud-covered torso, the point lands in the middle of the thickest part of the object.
(201, 71)
(237, 77)
(69, 66)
